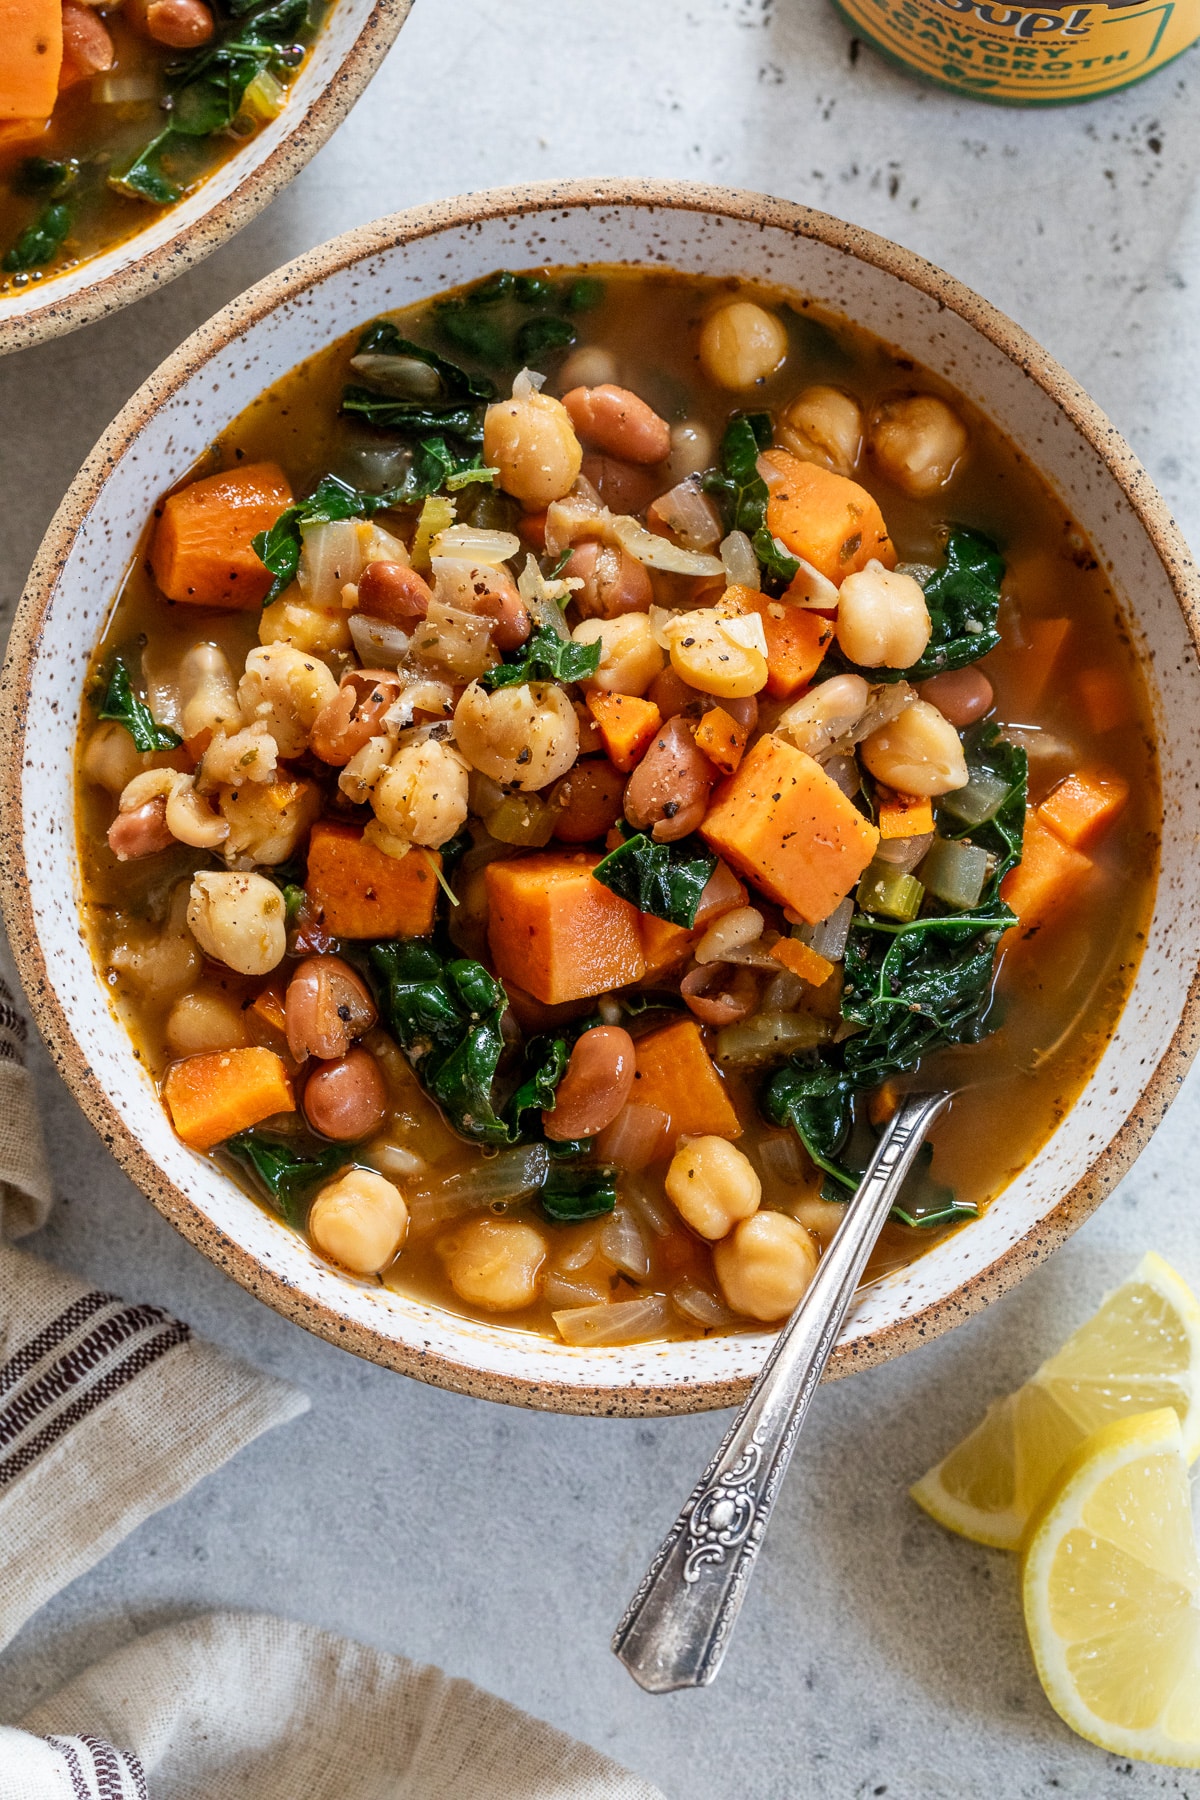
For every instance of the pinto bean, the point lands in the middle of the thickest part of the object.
(393, 592)
(960, 695)
(719, 994)
(613, 581)
(590, 796)
(180, 24)
(326, 1007)
(668, 791)
(624, 487)
(598, 1082)
(496, 597)
(353, 715)
(619, 423)
(142, 832)
(87, 45)
(672, 694)
(346, 1099)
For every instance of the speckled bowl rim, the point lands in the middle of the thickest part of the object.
(303, 137)
(667, 1396)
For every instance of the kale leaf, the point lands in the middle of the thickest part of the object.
(40, 242)
(434, 467)
(288, 1169)
(1002, 835)
(745, 493)
(664, 879)
(382, 338)
(544, 656)
(279, 548)
(818, 1105)
(122, 703)
(412, 417)
(963, 598)
(578, 1190)
(543, 336)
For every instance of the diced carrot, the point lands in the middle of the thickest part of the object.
(782, 823)
(826, 519)
(1036, 663)
(800, 960)
(721, 738)
(202, 551)
(1048, 870)
(626, 724)
(1082, 807)
(903, 815)
(558, 933)
(213, 1096)
(1105, 698)
(664, 944)
(676, 1074)
(31, 32)
(269, 1006)
(356, 891)
(797, 640)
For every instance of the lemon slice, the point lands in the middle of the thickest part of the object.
(1112, 1593)
(1138, 1352)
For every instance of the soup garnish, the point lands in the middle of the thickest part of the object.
(667, 725)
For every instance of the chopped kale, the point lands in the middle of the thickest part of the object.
(122, 703)
(544, 656)
(664, 879)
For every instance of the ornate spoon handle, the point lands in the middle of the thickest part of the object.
(677, 1626)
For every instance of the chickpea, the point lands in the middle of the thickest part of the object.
(917, 442)
(765, 1265)
(588, 366)
(204, 1021)
(238, 920)
(359, 1221)
(112, 759)
(207, 695)
(287, 690)
(87, 45)
(718, 654)
(495, 1263)
(882, 621)
(180, 24)
(712, 1185)
(159, 960)
(317, 630)
(421, 797)
(961, 695)
(532, 442)
(597, 1083)
(630, 656)
(918, 753)
(613, 581)
(346, 1100)
(354, 715)
(741, 344)
(825, 715)
(326, 1007)
(590, 797)
(393, 592)
(691, 450)
(250, 754)
(142, 832)
(823, 425)
(667, 793)
(267, 822)
(618, 423)
(523, 737)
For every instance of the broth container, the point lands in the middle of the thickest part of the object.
(1025, 55)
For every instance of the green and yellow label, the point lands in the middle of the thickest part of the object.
(1024, 55)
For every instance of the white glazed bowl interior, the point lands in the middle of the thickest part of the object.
(348, 49)
(192, 398)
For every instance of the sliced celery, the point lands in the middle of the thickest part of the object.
(980, 800)
(889, 891)
(955, 873)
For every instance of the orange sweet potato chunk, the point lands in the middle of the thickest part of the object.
(213, 1096)
(31, 36)
(784, 825)
(827, 519)
(556, 932)
(675, 1073)
(722, 739)
(1082, 807)
(203, 552)
(357, 891)
(903, 815)
(797, 640)
(1048, 872)
(626, 724)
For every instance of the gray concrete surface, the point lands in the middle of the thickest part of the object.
(877, 1655)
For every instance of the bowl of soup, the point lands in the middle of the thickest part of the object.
(536, 726)
(135, 137)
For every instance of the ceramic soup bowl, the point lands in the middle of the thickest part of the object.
(247, 347)
(348, 49)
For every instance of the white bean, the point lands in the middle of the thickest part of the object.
(919, 752)
(238, 920)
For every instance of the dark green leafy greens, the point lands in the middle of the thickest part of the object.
(963, 598)
(744, 493)
(664, 879)
(40, 242)
(544, 656)
(288, 1169)
(123, 703)
(279, 548)
(48, 176)
(577, 1190)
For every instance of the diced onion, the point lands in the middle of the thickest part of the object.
(394, 1159)
(687, 511)
(330, 556)
(542, 597)
(659, 552)
(828, 938)
(767, 1036)
(903, 853)
(843, 772)
(741, 564)
(700, 1306)
(460, 642)
(525, 382)
(569, 1290)
(888, 700)
(747, 630)
(378, 645)
(491, 1181)
(654, 1210)
(474, 544)
(633, 1139)
(782, 1158)
(623, 1244)
(767, 472)
(620, 1322)
(808, 587)
(404, 376)
(123, 90)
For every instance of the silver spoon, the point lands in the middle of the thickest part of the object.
(677, 1626)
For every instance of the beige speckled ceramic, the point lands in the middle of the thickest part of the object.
(248, 346)
(349, 48)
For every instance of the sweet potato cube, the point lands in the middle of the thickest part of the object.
(783, 824)
(797, 640)
(1048, 871)
(558, 933)
(357, 891)
(800, 960)
(826, 519)
(663, 944)
(903, 815)
(1105, 698)
(626, 725)
(203, 552)
(1082, 807)
(31, 33)
(721, 738)
(213, 1096)
(1037, 664)
(676, 1074)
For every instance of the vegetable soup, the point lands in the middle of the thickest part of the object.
(111, 112)
(571, 758)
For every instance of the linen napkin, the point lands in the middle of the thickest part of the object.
(240, 1705)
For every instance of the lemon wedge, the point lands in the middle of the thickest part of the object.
(1112, 1593)
(1138, 1352)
